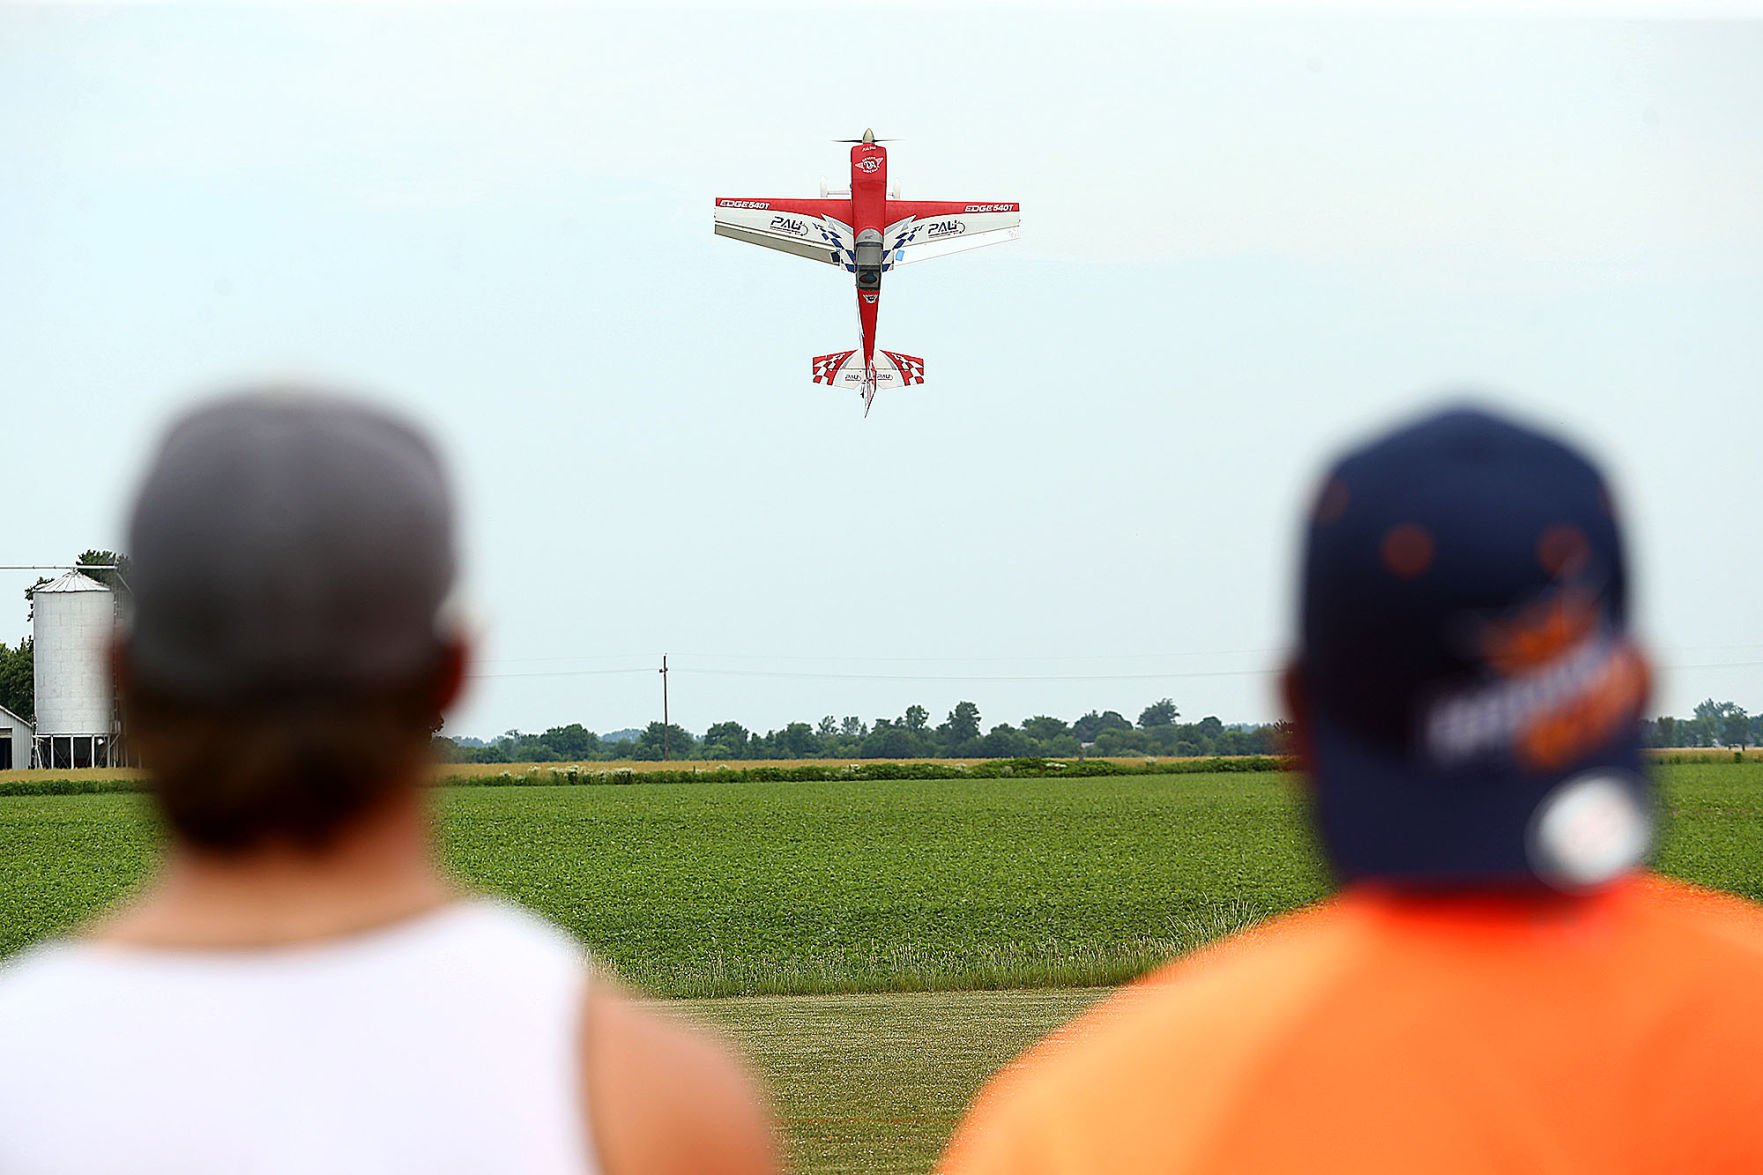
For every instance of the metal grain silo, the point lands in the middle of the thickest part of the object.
(72, 619)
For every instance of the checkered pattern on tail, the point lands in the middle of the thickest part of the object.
(826, 367)
(911, 367)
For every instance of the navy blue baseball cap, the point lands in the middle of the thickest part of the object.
(1471, 693)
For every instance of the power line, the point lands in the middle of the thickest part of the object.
(915, 660)
(1026, 659)
(816, 675)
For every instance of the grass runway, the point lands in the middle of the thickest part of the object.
(775, 892)
(876, 1083)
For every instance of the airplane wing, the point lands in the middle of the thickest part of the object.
(922, 229)
(819, 230)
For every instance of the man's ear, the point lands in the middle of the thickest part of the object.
(450, 672)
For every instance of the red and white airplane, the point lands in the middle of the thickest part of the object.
(868, 231)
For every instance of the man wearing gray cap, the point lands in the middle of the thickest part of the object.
(301, 987)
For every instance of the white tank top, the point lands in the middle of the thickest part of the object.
(447, 1043)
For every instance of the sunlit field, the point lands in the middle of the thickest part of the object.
(717, 889)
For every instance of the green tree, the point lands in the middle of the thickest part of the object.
(796, 741)
(1044, 729)
(959, 733)
(1122, 740)
(657, 740)
(17, 680)
(1735, 728)
(1006, 742)
(1159, 713)
(731, 738)
(118, 580)
(574, 741)
(918, 718)
(1090, 727)
(889, 740)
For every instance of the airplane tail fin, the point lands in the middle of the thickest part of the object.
(845, 369)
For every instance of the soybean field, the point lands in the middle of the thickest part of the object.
(715, 889)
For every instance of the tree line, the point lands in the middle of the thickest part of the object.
(961, 735)
(1714, 724)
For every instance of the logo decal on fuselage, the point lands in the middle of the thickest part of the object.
(868, 165)
(870, 298)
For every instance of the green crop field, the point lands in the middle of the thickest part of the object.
(878, 887)
(721, 889)
(716, 889)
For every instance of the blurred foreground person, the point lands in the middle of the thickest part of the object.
(300, 988)
(1495, 987)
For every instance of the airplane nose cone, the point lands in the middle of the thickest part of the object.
(868, 135)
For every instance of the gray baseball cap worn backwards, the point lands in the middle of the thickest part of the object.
(287, 542)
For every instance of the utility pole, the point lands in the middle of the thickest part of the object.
(665, 722)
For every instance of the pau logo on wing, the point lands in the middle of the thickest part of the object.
(868, 165)
(789, 224)
(945, 228)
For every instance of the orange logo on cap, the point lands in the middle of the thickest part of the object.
(1540, 633)
(1589, 707)
(1558, 736)
(1562, 683)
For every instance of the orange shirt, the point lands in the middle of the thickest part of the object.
(1621, 1031)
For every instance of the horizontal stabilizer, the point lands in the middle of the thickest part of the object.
(844, 369)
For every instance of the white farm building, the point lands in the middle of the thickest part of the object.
(15, 741)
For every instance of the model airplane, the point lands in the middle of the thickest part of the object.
(868, 230)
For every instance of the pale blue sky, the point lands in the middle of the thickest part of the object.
(1245, 241)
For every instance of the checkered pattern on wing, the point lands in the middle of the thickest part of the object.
(831, 236)
(826, 367)
(907, 234)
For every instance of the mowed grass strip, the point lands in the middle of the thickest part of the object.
(714, 890)
(876, 1083)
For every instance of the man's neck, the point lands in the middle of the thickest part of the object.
(375, 874)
